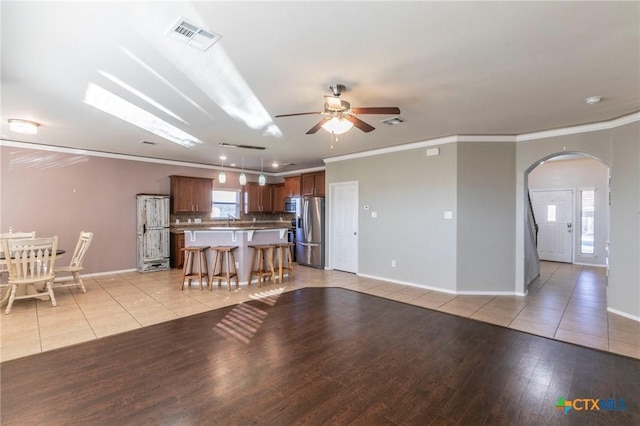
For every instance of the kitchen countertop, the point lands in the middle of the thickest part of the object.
(234, 226)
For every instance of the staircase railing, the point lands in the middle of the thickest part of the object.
(532, 217)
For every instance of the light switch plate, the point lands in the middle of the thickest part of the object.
(448, 215)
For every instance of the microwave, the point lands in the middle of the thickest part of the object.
(290, 205)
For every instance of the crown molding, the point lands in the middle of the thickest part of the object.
(128, 157)
(585, 128)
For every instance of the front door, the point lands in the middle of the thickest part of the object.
(553, 210)
(344, 225)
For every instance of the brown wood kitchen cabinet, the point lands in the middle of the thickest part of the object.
(257, 199)
(278, 197)
(292, 186)
(191, 194)
(177, 255)
(312, 184)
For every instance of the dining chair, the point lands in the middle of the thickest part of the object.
(3, 264)
(30, 262)
(75, 266)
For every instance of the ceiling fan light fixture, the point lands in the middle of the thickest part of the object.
(337, 126)
(25, 127)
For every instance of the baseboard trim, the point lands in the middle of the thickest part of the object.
(443, 290)
(623, 314)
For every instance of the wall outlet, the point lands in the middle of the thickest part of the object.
(374, 215)
(393, 263)
(237, 265)
(448, 215)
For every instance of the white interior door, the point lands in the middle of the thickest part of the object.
(344, 225)
(554, 213)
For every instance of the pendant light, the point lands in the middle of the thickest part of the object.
(243, 177)
(262, 180)
(222, 178)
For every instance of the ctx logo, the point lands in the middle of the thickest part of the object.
(590, 404)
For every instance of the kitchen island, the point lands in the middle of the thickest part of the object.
(242, 237)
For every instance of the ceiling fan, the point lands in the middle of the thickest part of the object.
(339, 116)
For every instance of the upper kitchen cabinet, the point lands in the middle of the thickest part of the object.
(312, 184)
(191, 194)
(257, 199)
(278, 197)
(292, 186)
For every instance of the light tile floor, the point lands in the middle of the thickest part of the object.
(567, 303)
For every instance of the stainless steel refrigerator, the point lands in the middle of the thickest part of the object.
(153, 232)
(310, 232)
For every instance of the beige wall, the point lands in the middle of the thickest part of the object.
(62, 194)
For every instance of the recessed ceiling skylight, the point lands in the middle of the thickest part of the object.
(106, 101)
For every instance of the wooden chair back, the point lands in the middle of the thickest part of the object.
(9, 235)
(30, 260)
(81, 249)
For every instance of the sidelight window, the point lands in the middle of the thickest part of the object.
(587, 220)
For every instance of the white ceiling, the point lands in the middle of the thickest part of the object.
(465, 68)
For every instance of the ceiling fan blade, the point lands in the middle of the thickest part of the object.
(298, 113)
(317, 126)
(376, 110)
(360, 124)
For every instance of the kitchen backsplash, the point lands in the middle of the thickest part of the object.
(259, 217)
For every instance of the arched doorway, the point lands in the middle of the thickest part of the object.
(570, 202)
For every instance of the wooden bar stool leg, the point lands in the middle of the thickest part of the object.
(200, 269)
(280, 263)
(235, 271)
(251, 266)
(270, 251)
(260, 266)
(184, 269)
(228, 271)
(290, 262)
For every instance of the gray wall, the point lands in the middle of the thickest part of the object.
(624, 273)
(577, 174)
(410, 192)
(486, 216)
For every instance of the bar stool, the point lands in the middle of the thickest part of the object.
(191, 253)
(259, 253)
(285, 260)
(225, 264)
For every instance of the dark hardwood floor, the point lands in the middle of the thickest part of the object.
(319, 356)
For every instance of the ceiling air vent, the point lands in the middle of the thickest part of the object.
(233, 145)
(393, 121)
(193, 35)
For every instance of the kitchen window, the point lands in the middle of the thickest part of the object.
(225, 203)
